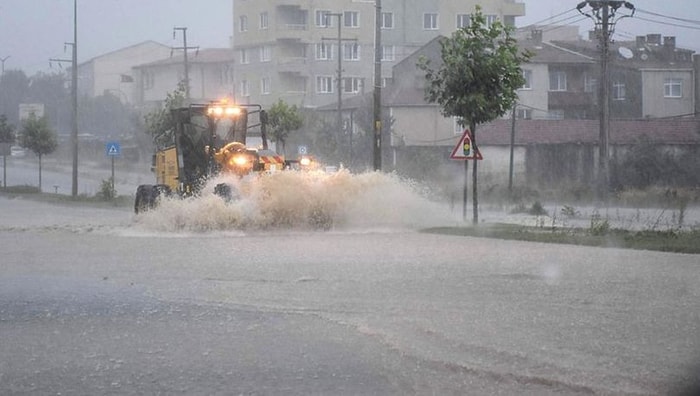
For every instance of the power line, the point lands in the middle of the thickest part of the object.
(568, 24)
(547, 19)
(668, 23)
(694, 21)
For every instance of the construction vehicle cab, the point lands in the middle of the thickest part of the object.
(206, 140)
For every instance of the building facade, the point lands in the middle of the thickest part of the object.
(293, 49)
(112, 72)
(210, 73)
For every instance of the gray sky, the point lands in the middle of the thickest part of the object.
(32, 31)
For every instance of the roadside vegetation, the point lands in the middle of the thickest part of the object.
(667, 231)
(105, 197)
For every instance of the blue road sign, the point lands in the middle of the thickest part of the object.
(113, 149)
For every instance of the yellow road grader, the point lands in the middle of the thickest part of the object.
(208, 140)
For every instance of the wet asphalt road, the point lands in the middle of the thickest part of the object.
(91, 304)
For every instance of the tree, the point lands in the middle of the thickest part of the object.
(7, 130)
(478, 78)
(38, 137)
(13, 91)
(159, 124)
(283, 119)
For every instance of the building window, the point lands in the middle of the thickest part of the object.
(324, 84)
(265, 83)
(673, 88)
(618, 91)
(352, 85)
(351, 52)
(323, 18)
(244, 58)
(556, 114)
(264, 20)
(463, 21)
(557, 81)
(265, 53)
(387, 20)
(243, 90)
(149, 80)
(430, 21)
(490, 20)
(527, 75)
(351, 19)
(226, 75)
(243, 23)
(324, 51)
(590, 83)
(524, 114)
(388, 53)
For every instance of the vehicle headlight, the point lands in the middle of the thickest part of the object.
(240, 160)
(305, 161)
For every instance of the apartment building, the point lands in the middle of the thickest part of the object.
(291, 49)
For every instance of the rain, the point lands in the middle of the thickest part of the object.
(343, 279)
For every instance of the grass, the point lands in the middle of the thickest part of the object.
(33, 193)
(665, 241)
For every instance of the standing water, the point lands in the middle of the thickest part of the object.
(302, 200)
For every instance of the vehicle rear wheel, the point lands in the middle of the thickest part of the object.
(145, 198)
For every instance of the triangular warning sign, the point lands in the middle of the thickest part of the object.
(465, 149)
(113, 149)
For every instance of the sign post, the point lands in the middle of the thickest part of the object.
(113, 149)
(465, 150)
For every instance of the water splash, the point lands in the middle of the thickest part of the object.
(302, 200)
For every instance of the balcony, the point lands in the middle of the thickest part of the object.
(572, 100)
(511, 8)
(292, 31)
(297, 65)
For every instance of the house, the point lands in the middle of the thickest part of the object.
(112, 72)
(210, 77)
(556, 127)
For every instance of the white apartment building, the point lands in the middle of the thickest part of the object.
(289, 49)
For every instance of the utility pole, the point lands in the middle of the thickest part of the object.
(377, 146)
(74, 98)
(185, 48)
(339, 83)
(604, 14)
(74, 92)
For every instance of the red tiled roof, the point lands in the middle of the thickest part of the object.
(661, 131)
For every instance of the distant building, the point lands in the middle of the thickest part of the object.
(210, 73)
(289, 50)
(112, 72)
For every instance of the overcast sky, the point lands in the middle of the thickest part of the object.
(32, 31)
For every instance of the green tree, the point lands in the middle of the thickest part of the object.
(283, 119)
(7, 130)
(159, 124)
(478, 78)
(14, 85)
(38, 137)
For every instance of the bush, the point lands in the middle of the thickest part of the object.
(107, 192)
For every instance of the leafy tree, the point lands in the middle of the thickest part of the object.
(283, 119)
(7, 130)
(159, 124)
(478, 78)
(38, 137)
(13, 91)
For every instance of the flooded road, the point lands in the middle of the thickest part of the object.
(97, 301)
